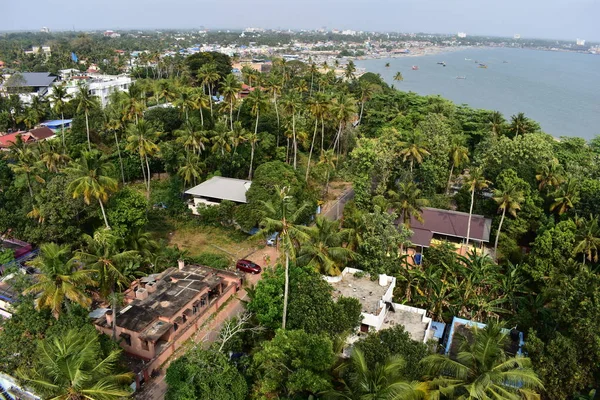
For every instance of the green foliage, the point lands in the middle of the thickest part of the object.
(214, 260)
(6, 255)
(222, 214)
(379, 346)
(221, 61)
(126, 211)
(204, 374)
(293, 362)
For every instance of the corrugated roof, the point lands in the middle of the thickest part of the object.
(219, 187)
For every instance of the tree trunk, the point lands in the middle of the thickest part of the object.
(295, 144)
(277, 113)
(450, 179)
(411, 165)
(251, 162)
(148, 167)
(120, 159)
(327, 182)
(256, 123)
(143, 169)
(104, 214)
(498, 234)
(87, 128)
(362, 106)
(470, 214)
(322, 133)
(286, 289)
(210, 99)
(114, 319)
(231, 112)
(62, 128)
(312, 144)
(29, 185)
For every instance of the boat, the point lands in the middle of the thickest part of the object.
(482, 66)
(461, 77)
(467, 59)
(442, 63)
(415, 67)
(504, 62)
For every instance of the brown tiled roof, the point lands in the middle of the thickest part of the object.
(42, 133)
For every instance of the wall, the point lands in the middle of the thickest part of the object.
(424, 319)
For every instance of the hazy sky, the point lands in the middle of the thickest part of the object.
(563, 19)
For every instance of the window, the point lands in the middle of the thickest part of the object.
(145, 345)
(175, 327)
(194, 309)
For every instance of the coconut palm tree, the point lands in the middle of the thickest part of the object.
(398, 77)
(328, 159)
(133, 106)
(459, 156)
(251, 138)
(141, 139)
(496, 122)
(61, 279)
(92, 179)
(191, 138)
(414, 149)
(200, 102)
(343, 109)
(350, 70)
(273, 86)
(508, 199)
(482, 370)
(185, 102)
(191, 170)
(566, 196)
(291, 104)
(520, 124)
(258, 102)
(317, 105)
(587, 239)
(103, 253)
(230, 87)
(26, 162)
(59, 98)
(549, 176)
(114, 125)
(324, 250)
(407, 201)
(208, 77)
(475, 181)
(71, 367)
(51, 156)
(221, 138)
(384, 381)
(282, 216)
(85, 103)
(367, 89)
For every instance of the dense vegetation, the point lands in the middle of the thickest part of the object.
(88, 197)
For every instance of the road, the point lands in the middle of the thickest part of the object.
(336, 210)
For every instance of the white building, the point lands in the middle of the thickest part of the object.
(103, 85)
(378, 309)
(461, 35)
(580, 42)
(217, 189)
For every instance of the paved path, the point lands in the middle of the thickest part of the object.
(156, 388)
(336, 210)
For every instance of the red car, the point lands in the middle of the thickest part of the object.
(248, 266)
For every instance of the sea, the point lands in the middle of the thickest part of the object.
(560, 90)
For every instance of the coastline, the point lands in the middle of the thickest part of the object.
(418, 52)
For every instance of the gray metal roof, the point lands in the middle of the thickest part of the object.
(222, 188)
(35, 79)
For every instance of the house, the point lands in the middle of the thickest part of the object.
(217, 189)
(10, 389)
(463, 328)
(103, 85)
(58, 125)
(7, 140)
(450, 225)
(42, 133)
(29, 84)
(164, 310)
(378, 309)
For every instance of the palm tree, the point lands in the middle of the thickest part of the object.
(221, 138)
(114, 125)
(133, 106)
(588, 239)
(273, 86)
(291, 104)
(71, 367)
(350, 70)
(191, 170)
(318, 107)
(496, 122)
(367, 89)
(343, 110)
(141, 139)
(104, 255)
(398, 77)
(60, 280)
(85, 102)
(414, 149)
(508, 199)
(475, 181)
(25, 162)
(282, 216)
(459, 155)
(200, 102)
(92, 178)
(60, 97)
(549, 176)
(407, 201)
(520, 124)
(230, 87)
(324, 250)
(566, 196)
(384, 381)
(185, 102)
(328, 159)
(192, 139)
(251, 138)
(208, 76)
(482, 370)
(258, 102)
(51, 156)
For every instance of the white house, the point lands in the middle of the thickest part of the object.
(217, 189)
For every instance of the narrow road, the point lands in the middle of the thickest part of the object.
(336, 210)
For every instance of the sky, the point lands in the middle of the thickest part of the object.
(553, 19)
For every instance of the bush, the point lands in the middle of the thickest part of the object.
(214, 260)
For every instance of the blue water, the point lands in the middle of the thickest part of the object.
(559, 90)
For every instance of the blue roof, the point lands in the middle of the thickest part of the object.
(479, 325)
(438, 329)
(56, 122)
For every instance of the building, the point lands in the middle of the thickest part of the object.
(102, 86)
(448, 225)
(164, 310)
(580, 42)
(461, 35)
(378, 308)
(45, 50)
(111, 34)
(29, 84)
(10, 389)
(45, 29)
(34, 135)
(58, 125)
(42, 133)
(217, 189)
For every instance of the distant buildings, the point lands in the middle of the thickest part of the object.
(45, 30)
(45, 50)
(517, 36)
(461, 35)
(111, 34)
(580, 42)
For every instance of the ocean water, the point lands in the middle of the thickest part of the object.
(559, 90)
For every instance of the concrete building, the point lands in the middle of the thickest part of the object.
(28, 85)
(164, 310)
(378, 308)
(102, 86)
(217, 189)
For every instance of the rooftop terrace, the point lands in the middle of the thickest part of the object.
(368, 292)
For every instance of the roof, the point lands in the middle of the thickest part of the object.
(42, 133)
(57, 123)
(449, 223)
(7, 140)
(219, 187)
(369, 293)
(35, 79)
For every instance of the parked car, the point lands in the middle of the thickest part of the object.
(272, 240)
(248, 266)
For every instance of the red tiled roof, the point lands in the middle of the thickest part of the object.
(7, 140)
